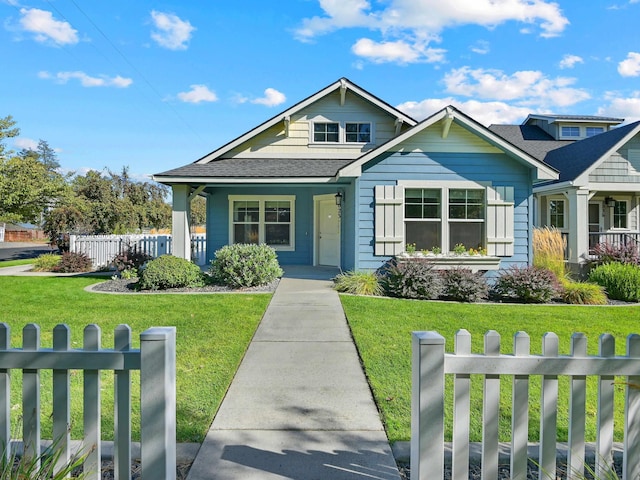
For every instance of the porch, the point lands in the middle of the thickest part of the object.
(626, 240)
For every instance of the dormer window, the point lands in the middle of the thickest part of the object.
(573, 132)
(591, 131)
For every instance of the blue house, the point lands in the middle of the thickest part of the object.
(344, 179)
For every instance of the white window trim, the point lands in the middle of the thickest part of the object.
(342, 135)
(261, 224)
(444, 220)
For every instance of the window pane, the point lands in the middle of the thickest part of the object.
(422, 203)
(457, 212)
(591, 131)
(246, 211)
(358, 132)
(469, 234)
(325, 132)
(556, 213)
(620, 215)
(277, 212)
(425, 235)
(245, 233)
(277, 234)
(570, 131)
(466, 204)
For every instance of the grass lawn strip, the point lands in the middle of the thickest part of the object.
(14, 263)
(213, 333)
(382, 331)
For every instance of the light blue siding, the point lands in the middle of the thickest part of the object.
(496, 168)
(218, 218)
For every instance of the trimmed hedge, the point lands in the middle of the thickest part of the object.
(168, 271)
(245, 265)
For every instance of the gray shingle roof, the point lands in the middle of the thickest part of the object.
(531, 139)
(577, 157)
(259, 167)
(570, 158)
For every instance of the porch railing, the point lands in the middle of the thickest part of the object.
(626, 239)
(156, 361)
(430, 365)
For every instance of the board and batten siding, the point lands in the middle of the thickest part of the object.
(274, 141)
(496, 169)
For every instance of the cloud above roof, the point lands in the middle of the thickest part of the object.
(409, 27)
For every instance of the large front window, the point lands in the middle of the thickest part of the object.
(267, 219)
(443, 218)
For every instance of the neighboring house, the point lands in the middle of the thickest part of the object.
(344, 179)
(596, 198)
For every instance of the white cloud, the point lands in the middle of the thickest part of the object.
(408, 26)
(485, 113)
(399, 51)
(172, 32)
(198, 94)
(481, 47)
(631, 66)
(25, 143)
(622, 107)
(46, 28)
(528, 87)
(87, 80)
(272, 98)
(570, 61)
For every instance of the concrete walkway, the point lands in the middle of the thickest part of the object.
(299, 406)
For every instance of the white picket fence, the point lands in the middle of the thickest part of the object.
(430, 364)
(101, 249)
(2, 229)
(156, 360)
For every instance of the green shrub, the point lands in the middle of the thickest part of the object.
(527, 284)
(621, 281)
(358, 283)
(46, 262)
(582, 293)
(412, 279)
(168, 271)
(72, 262)
(245, 265)
(463, 285)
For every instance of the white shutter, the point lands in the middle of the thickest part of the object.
(389, 219)
(500, 213)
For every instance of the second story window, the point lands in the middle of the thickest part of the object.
(591, 131)
(326, 132)
(570, 131)
(358, 132)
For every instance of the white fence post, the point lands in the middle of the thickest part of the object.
(427, 406)
(92, 407)
(548, 412)
(461, 410)
(630, 463)
(491, 411)
(520, 414)
(577, 412)
(31, 397)
(62, 399)
(158, 403)
(122, 408)
(604, 433)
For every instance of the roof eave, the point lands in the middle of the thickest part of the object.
(170, 180)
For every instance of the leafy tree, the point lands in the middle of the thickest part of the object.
(198, 211)
(7, 130)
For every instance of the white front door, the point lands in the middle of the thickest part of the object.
(327, 232)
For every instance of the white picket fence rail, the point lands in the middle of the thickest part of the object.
(430, 364)
(101, 249)
(156, 360)
(2, 229)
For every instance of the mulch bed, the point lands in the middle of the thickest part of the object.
(120, 285)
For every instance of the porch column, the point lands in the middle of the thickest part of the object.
(181, 214)
(578, 241)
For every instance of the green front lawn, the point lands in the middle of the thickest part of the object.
(13, 263)
(382, 330)
(213, 332)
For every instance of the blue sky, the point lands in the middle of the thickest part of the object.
(156, 85)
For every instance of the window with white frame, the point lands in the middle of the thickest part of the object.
(591, 131)
(341, 132)
(556, 213)
(620, 214)
(326, 132)
(444, 218)
(266, 219)
(567, 131)
(357, 132)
